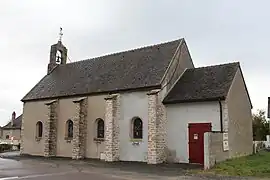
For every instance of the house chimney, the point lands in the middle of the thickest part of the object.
(13, 118)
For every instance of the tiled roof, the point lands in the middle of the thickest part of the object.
(138, 68)
(16, 124)
(202, 84)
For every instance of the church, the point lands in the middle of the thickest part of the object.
(149, 104)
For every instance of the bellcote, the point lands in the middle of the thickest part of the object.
(58, 54)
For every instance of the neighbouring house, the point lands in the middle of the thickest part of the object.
(148, 104)
(12, 130)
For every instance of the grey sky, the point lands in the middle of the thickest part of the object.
(216, 32)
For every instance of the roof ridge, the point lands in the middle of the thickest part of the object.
(217, 65)
(130, 50)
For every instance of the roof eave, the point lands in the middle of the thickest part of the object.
(194, 100)
(8, 128)
(158, 86)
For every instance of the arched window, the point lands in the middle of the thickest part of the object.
(7, 136)
(100, 128)
(39, 129)
(137, 128)
(69, 128)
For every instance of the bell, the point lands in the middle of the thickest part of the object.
(58, 59)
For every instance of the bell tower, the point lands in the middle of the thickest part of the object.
(58, 54)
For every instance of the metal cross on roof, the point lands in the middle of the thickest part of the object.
(60, 34)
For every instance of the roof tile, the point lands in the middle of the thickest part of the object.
(204, 83)
(138, 68)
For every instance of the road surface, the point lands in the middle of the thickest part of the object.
(63, 169)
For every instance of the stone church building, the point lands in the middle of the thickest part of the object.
(148, 104)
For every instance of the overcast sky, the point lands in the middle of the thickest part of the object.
(216, 32)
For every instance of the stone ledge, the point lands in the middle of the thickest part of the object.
(111, 96)
(68, 139)
(79, 99)
(153, 92)
(38, 139)
(136, 140)
(50, 102)
(99, 139)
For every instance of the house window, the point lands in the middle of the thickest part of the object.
(39, 129)
(69, 130)
(7, 136)
(100, 128)
(137, 128)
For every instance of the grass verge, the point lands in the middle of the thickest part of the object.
(257, 165)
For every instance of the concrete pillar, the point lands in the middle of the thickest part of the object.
(112, 116)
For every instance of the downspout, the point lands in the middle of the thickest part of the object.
(220, 116)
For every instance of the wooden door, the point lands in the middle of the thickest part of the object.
(196, 141)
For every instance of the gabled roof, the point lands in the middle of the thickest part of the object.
(17, 124)
(203, 84)
(138, 68)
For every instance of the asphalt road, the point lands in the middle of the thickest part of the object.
(62, 170)
(41, 169)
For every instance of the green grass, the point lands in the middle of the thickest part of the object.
(253, 165)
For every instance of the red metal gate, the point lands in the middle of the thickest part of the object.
(196, 141)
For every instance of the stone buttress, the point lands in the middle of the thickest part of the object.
(112, 116)
(79, 129)
(50, 134)
(156, 129)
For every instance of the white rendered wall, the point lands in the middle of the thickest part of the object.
(178, 116)
(133, 104)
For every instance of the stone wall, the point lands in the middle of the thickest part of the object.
(79, 129)
(213, 149)
(50, 139)
(22, 135)
(112, 116)
(156, 129)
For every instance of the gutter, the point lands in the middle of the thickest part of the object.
(220, 116)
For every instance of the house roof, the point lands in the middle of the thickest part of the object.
(17, 123)
(203, 84)
(133, 69)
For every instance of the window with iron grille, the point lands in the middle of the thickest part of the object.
(137, 128)
(69, 126)
(100, 128)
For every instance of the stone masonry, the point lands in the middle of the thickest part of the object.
(112, 116)
(79, 129)
(22, 136)
(156, 129)
(50, 133)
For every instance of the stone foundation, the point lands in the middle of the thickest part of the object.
(80, 129)
(112, 116)
(50, 133)
(156, 129)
